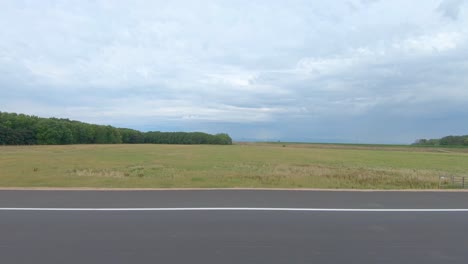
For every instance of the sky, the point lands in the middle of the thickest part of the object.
(356, 71)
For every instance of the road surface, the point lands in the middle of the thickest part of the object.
(372, 234)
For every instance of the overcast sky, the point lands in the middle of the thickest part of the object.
(367, 71)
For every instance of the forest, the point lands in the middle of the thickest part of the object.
(445, 141)
(21, 129)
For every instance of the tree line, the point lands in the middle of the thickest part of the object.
(445, 141)
(20, 129)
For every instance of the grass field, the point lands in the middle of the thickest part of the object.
(241, 165)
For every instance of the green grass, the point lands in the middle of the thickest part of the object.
(241, 165)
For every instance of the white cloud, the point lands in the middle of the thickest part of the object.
(438, 42)
(419, 46)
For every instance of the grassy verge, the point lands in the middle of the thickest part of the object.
(241, 165)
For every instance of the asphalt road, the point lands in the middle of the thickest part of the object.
(232, 236)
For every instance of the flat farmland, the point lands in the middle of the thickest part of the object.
(269, 165)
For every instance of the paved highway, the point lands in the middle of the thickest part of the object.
(237, 236)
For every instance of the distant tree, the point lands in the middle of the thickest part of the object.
(445, 141)
(19, 129)
(421, 142)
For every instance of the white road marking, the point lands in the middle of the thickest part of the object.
(235, 209)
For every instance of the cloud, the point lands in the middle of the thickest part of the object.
(303, 70)
(451, 8)
(369, 1)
